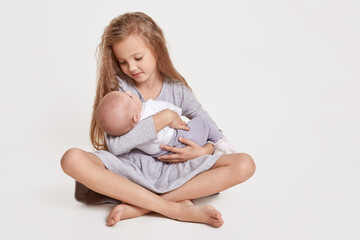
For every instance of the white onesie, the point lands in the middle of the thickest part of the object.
(150, 108)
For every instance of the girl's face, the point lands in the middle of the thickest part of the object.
(136, 59)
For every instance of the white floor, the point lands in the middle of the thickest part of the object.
(280, 79)
(293, 195)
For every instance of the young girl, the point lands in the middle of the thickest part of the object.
(133, 56)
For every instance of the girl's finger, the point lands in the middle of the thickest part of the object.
(173, 161)
(186, 141)
(171, 149)
(184, 127)
(169, 157)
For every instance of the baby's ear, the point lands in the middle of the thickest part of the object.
(136, 118)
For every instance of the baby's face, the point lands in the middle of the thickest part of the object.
(132, 103)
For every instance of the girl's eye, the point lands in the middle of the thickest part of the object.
(122, 63)
(138, 59)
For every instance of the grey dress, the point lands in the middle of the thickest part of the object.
(140, 168)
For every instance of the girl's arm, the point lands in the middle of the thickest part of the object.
(191, 108)
(191, 151)
(169, 118)
(144, 131)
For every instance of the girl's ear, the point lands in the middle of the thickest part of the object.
(136, 118)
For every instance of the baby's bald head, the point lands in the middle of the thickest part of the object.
(113, 114)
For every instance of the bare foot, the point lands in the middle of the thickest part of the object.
(125, 211)
(189, 213)
(186, 202)
(203, 214)
(115, 215)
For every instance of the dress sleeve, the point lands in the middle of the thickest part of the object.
(191, 106)
(143, 132)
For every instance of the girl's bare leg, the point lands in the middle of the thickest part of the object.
(126, 211)
(228, 171)
(90, 171)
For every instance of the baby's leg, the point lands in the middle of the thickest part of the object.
(201, 130)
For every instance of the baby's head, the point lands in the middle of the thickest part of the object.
(118, 112)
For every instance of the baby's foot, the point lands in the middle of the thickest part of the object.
(203, 214)
(224, 146)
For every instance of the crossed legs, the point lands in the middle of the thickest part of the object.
(228, 171)
(90, 171)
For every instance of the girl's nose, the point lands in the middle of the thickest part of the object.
(132, 67)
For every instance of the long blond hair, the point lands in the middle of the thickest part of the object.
(120, 28)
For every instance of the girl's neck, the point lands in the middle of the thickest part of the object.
(151, 88)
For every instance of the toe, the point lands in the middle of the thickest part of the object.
(216, 215)
(117, 216)
(111, 222)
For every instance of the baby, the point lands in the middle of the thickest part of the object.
(118, 112)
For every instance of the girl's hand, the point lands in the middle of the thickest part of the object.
(169, 118)
(175, 121)
(191, 151)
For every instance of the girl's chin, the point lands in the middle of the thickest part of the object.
(139, 80)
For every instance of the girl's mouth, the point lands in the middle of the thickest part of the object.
(137, 74)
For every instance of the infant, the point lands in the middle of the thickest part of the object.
(118, 112)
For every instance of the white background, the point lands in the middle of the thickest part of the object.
(280, 78)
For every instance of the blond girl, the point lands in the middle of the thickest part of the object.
(133, 56)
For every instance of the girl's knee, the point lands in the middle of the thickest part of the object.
(245, 166)
(70, 158)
